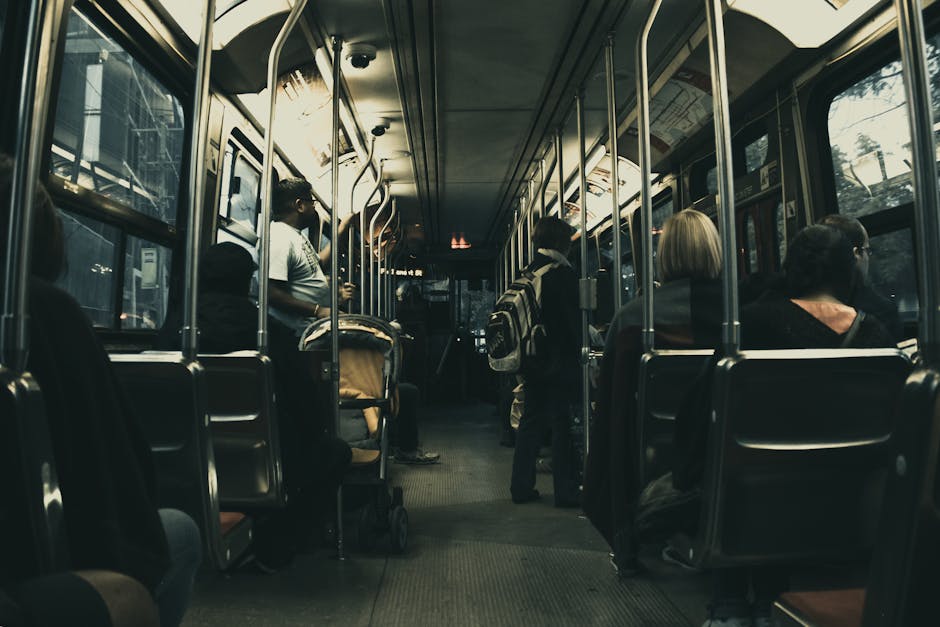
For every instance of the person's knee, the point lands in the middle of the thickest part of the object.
(183, 538)
(128, 602)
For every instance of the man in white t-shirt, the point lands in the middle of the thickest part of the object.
(298, 290)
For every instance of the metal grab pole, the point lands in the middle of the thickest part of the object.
(337, 44)
(529, 221)
(362, 219)
(542, 187)
(926, 202)
(646, 200)
(561, 175)
(267, 169)
(513, 249)
(197, 178)
(363, 236)
(731, 328)
(391, 216)
(586, 294)
(42, 27)
(373, 287)
(614, 171)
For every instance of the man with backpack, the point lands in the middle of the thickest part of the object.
(549, 365)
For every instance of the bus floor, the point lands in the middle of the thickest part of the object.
(473, 558)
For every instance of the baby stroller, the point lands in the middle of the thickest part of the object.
(369, 362)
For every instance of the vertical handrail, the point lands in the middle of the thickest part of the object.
(267, 173)
(373, 275)
(924, 170)
(362, 220)
(33, 103)
(513, 249)
(585, 284)
(731, 328)
(614, 170)
(197, 182)
(561, 174)
(391, 216)
(363, 236)
(646, 167)
(529, 220)
(542, 187)
(337, 45)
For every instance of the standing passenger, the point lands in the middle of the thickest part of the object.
(550, 391)
(299, 290)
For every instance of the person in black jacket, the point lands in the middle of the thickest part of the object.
(865, 297)
(103, 461)
(550, 389)
(811, 312)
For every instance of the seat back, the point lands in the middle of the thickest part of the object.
(170, 397)
(797, 454)
(664, 378)
(905, 574)
(31, 525)
(244, 427)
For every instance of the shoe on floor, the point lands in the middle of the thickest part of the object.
(417, 457)
(672, 555)
(741, 621)
(526, 498)
(729, 613)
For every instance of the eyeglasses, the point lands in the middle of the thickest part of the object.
(865, 249)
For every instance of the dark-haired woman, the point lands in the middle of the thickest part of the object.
(810, 312)
(101, 456)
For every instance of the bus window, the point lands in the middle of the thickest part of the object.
(118, 131)
(755, 153)
(146, 284)
(780, 219)
(870, 140)
(891, 271)
(91, 250)
(240, 193)
(752, 261)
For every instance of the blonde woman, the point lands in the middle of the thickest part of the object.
(687, 315)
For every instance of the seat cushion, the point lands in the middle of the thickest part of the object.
(228, 521)
(824, 608)
(364, 457)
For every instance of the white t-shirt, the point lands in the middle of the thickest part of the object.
(294, 260)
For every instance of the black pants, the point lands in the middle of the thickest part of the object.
(547, 406)
(404, 430)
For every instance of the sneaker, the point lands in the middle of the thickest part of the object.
(672, 555)
(417, 457)
(728, 622)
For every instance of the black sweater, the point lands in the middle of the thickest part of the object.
(103, 460)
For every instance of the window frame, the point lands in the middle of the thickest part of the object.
(241, 148)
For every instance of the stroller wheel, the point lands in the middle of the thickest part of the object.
(366, 536)
(399, 529)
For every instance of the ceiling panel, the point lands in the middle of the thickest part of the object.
(479, 146)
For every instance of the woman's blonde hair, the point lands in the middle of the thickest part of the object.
(689, 247)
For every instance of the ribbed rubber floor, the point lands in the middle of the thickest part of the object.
(475, 558)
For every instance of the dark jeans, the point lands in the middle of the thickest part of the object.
(404, 429)
(183, 539)
(547, 406)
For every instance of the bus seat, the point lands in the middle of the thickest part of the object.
(904, 575)
(797, 454)
(31, 522)
(832, 608)
(664, 378)
(170, 397)
(244, 427)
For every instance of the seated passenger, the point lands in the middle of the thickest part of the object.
(687, 315)
(103, 461)
(866, 298)
(313, 463)
(821, 273)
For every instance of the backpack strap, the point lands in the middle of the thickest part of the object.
(853, 330)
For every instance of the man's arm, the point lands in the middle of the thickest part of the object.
(341, 231)
(280, 297)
